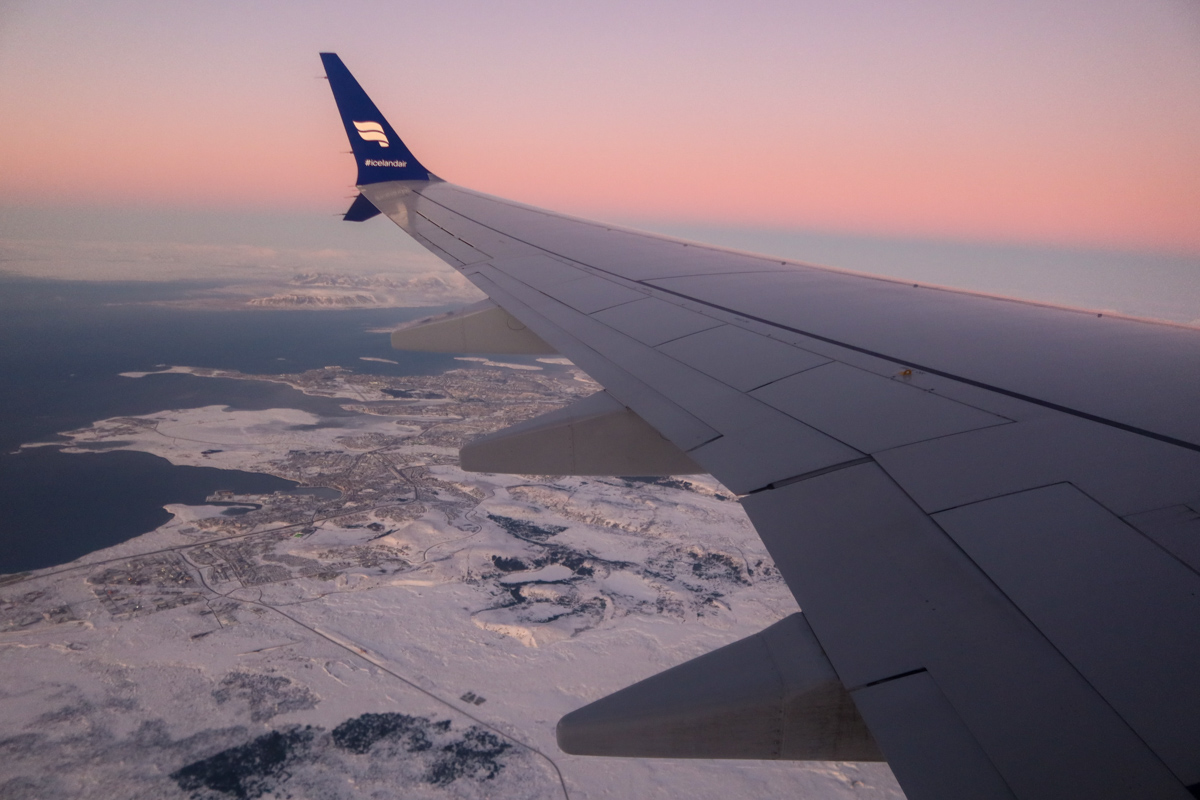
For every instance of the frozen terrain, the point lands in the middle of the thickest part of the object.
(394, 627)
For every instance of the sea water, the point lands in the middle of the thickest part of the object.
(63, 345)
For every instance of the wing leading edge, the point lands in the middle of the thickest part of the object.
(987, 509)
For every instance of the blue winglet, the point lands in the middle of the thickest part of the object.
(380, 154)
(361, 210)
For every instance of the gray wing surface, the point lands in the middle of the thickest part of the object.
(989, 510)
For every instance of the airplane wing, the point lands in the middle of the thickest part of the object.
(988, 510)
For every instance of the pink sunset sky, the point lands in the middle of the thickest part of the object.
(1050, 121)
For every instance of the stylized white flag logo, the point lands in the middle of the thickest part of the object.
(372, 132)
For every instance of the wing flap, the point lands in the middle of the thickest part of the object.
(1100, 592)
(482, 327)
(930, 750)
(593, 436)
(772, 695)
(889, 594)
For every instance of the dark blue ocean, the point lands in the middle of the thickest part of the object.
(62, 347)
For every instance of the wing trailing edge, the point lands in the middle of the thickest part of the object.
(773, 695)
(593, 436)
(482, 327)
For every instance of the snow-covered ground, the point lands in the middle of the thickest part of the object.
(418, 635)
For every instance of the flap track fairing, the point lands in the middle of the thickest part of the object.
(483, 327)
(773, 695)
(593, 436)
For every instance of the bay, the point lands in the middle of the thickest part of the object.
(63, 345)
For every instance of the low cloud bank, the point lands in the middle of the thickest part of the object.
(255, 277)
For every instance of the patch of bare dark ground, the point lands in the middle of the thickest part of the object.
(265, 695)
(265, 764)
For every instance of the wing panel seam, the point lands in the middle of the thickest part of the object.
(813, 474)
(1162, 437)
(855, 348)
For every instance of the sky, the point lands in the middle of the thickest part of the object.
(1068, 123)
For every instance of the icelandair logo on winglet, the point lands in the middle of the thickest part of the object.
(372, 132)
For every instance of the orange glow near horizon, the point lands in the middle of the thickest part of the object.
(973, 128)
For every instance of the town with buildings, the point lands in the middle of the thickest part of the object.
(391, 621)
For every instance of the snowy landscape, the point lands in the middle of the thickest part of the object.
(393, 626)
